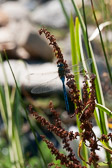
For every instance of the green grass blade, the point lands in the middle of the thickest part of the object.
(23, 105)
(18, 146)
(17, 124)
(14, 155)
(3, 107)
(75, 50)
(9, 116)
(72, 37)
(82, 58)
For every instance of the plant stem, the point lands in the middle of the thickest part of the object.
(102, 43)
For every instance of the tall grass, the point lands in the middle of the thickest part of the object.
(27, 116)
(100, 115)
(10, 117)
(10, 99)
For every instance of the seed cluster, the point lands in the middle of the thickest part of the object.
(66, 136)
(84, 109)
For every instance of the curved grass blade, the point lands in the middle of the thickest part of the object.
(96, 31)
(103, 108)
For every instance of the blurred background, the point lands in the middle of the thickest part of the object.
(29, 53)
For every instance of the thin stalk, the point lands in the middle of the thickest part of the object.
(105, 13)
(85, 22)
(64, 11)
(102, 43)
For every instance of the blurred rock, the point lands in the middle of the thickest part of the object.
(42, 75)
(3, 19)
(30, 4)
(51, 14)
(7, 42)
(22, 71)
(19, 37)
(15, 11)
(65, 45)
(32, 42)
